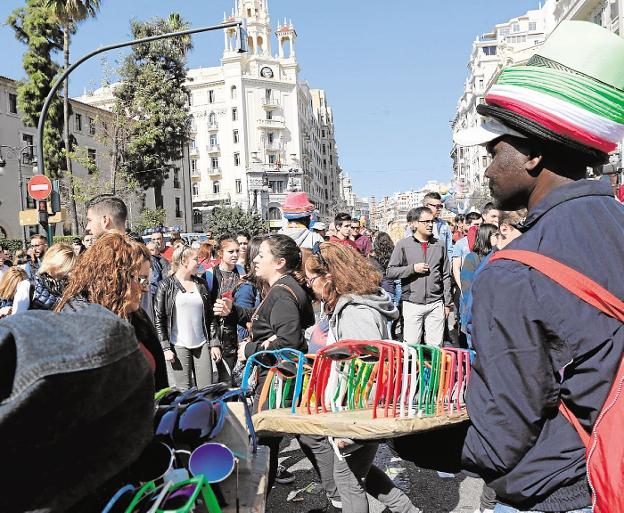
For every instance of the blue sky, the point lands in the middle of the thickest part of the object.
(393, 70)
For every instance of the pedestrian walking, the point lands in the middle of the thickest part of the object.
(38, 247)
(343, 223)
(184, 323)
(298, 210)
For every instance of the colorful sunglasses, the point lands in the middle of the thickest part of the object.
(168, 497)
(288, 362)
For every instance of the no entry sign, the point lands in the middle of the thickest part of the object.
(39, 187)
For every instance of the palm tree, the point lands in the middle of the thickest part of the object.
(70, 13)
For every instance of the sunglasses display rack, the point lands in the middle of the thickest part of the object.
(376, 386)
(199, 451)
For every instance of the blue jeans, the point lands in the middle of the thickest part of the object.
(508, 509)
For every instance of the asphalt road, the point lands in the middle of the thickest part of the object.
(428, 491)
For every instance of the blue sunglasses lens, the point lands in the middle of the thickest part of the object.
(196, 423)
(215, 461)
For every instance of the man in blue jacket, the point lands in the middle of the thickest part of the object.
(537, 344)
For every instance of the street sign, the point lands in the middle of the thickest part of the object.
(30, 217)
(39, 187)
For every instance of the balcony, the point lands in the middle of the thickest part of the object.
(212, 149)
(273, 147)
(270, 103)
(271, 124)
(195, 177)
(217, 197)
(214, 172)
(213, 127)
(194, 151)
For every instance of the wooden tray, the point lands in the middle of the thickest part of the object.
(356, 424)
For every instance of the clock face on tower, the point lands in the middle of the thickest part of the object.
(266, 72)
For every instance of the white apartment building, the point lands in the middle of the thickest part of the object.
(86, 125)
(259, 131)
(508, 43)
(394, 209)
(351, 203)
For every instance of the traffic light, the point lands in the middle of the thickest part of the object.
(42, 207)
(55, 197)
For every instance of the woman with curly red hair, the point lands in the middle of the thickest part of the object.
(354, 307)
(114, 273)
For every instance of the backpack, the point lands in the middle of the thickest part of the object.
(604, 446)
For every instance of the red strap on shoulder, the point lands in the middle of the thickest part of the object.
(579, 285)
(575, 282)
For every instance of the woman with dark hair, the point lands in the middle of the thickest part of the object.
(348, 286)
(280, 320)
(486, 239)
(380, 257)
(248, 292)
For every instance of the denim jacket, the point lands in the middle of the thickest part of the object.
(76, 405)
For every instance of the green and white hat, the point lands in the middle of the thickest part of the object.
(570, 92)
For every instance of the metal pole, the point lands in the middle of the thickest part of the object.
(67, 72)
(18, 155)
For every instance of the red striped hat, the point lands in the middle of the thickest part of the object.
(570, 92)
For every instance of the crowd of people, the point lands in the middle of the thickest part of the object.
(199, 310)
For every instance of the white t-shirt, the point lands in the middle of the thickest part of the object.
(21, 300)
(188, 329)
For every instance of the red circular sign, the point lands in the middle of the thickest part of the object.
(39, 187)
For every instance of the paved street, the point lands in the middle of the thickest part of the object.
(427, 491)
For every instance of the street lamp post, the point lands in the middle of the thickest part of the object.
(68, 71)
(19, 154)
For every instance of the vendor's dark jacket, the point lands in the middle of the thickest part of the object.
(165, 312)
(536, 344)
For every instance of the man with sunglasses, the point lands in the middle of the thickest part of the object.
(39, 246)
(421, 262)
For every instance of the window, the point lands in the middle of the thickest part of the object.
(272, 159)
(532, 25)
(480, 83)
(189, 98)
(489, 50)
(277, 186)
(484, 161)
(324, 149)
(91, 126)
(269, 114)
(195, 189)
(322, 133)
(267, 93)
(212, 118)
(91, 157)
(214, 162)
(237, 159)
(197, 217)
(239, 186)
(275, 214)
(235, 136)
(211, 96)
(28, 157)
(213, 140)
(12, 103)
(216, 187)
(234, 114)
(233, 92)
(176, 178)
(78, 123)
(177, 205)
(193, 144)
(515, 27)
(270, 137)
(504, 32)
(193, 166)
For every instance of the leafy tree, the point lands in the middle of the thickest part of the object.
(35, 26)
(222, 220)
(70, 13)
(152, 94)
(150, 218)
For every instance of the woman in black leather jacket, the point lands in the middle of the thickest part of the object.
(183, 319)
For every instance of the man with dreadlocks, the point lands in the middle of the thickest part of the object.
(537, 344)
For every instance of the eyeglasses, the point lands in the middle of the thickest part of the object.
(316, 251)
(143, 281)
(427, 221)
(310, 281)
(434, 205)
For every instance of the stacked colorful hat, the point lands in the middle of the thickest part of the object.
(297, 205)
(570, 92)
